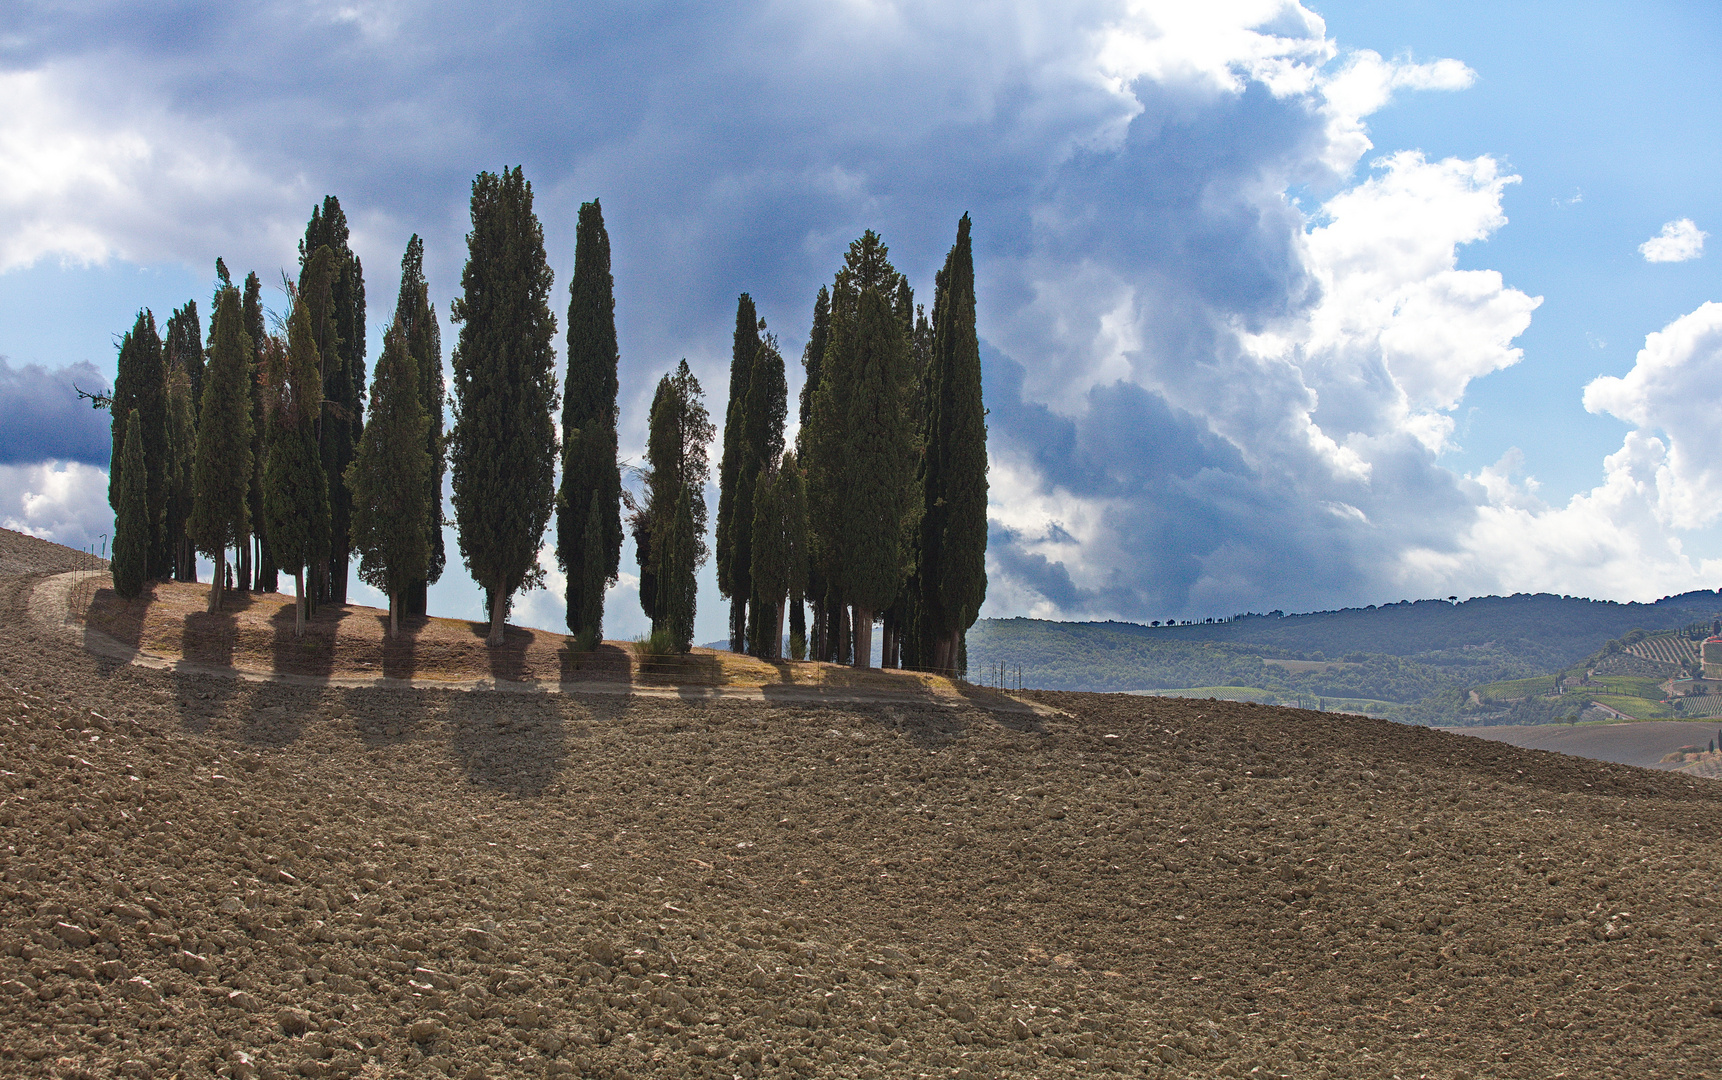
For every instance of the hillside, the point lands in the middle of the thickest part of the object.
(1414, 661)
(209, 876)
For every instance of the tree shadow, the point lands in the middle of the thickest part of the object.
(118, 618)
(310, 654)
(508, 741)
(282, 722)
(211, 637)
(400, 654)
(606, 663)
(508, 661)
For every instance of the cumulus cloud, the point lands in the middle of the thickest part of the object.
(62, 501)
(1207, 397)
(42, 417)
(1679, 241)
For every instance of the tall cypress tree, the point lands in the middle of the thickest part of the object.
(673, 519)
(183, 360)
(590, 554)
(503, 448)
(254, 569)
(732, 561)
(779, 551)
(763, 420)
(953, 578)
(132, 531)
(140, 387)
(341, 344)
(184, 346)
(811, 356)
(295, 488)
(864, 445)
(388, 478)
(221, 471)
(416, 316)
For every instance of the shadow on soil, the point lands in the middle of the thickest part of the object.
(507, 741)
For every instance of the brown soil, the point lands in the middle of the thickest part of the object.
(1643, 742)
(205, 876)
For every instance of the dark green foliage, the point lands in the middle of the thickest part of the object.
(388, 479)
(678, 589)
(762, 419)
(779, 553)
(953, 534)
(587, 623)
(295, 488)
(132, 531)
(415, 315)
(670, 526)
(183, 349)
(257, 570)
(732, 563)
(176, 473)
(591, 478)
(140, 388)
(221, 471)
(814, 352)
(503, 447)
(337, 292)
(861, 449)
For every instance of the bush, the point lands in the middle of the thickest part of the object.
(656, 643)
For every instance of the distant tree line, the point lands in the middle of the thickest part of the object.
(261, 442)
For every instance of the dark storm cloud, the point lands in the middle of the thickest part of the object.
(42, 417)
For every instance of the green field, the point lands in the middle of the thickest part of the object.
(1640, 707)
(1514, 689)
(1370, 706)
(1626, 686)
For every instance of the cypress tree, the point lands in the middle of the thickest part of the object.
(953, 581)
(221, 471)
(863, 447)
(763, 419)
(387, 479)
(140, 387)
(779, 551)
(184, 346)
(295, 488)
(678, 559)
(590, 555)
(253, 564)
(503, 448)
(132, 532)
(732, 559)
(183, 360)
(674, 515)
(416, 317)
(341, 345)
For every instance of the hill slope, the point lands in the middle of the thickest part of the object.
(210, 877)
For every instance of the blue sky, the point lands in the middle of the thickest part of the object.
(1282, 306)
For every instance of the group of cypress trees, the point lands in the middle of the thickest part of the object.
(881, 512)
(259, 443)
(255, 442)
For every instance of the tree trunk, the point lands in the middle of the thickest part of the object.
(394, 615)
(299, 602)
(863, 637)
(777, 633)
(216, 579)
(244, 575)
(839, 616)
(498, 603)
(889, 632)
(737, 624)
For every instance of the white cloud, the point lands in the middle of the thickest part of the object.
(62, 501)
(1679, 241)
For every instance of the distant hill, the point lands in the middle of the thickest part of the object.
(1416, 657)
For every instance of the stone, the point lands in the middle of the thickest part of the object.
(293, 1021)
(73, 935)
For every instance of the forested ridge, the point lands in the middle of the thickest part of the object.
(1424, 655)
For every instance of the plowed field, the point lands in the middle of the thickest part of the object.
(204, 876)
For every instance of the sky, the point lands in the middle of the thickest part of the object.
(1282, 307)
